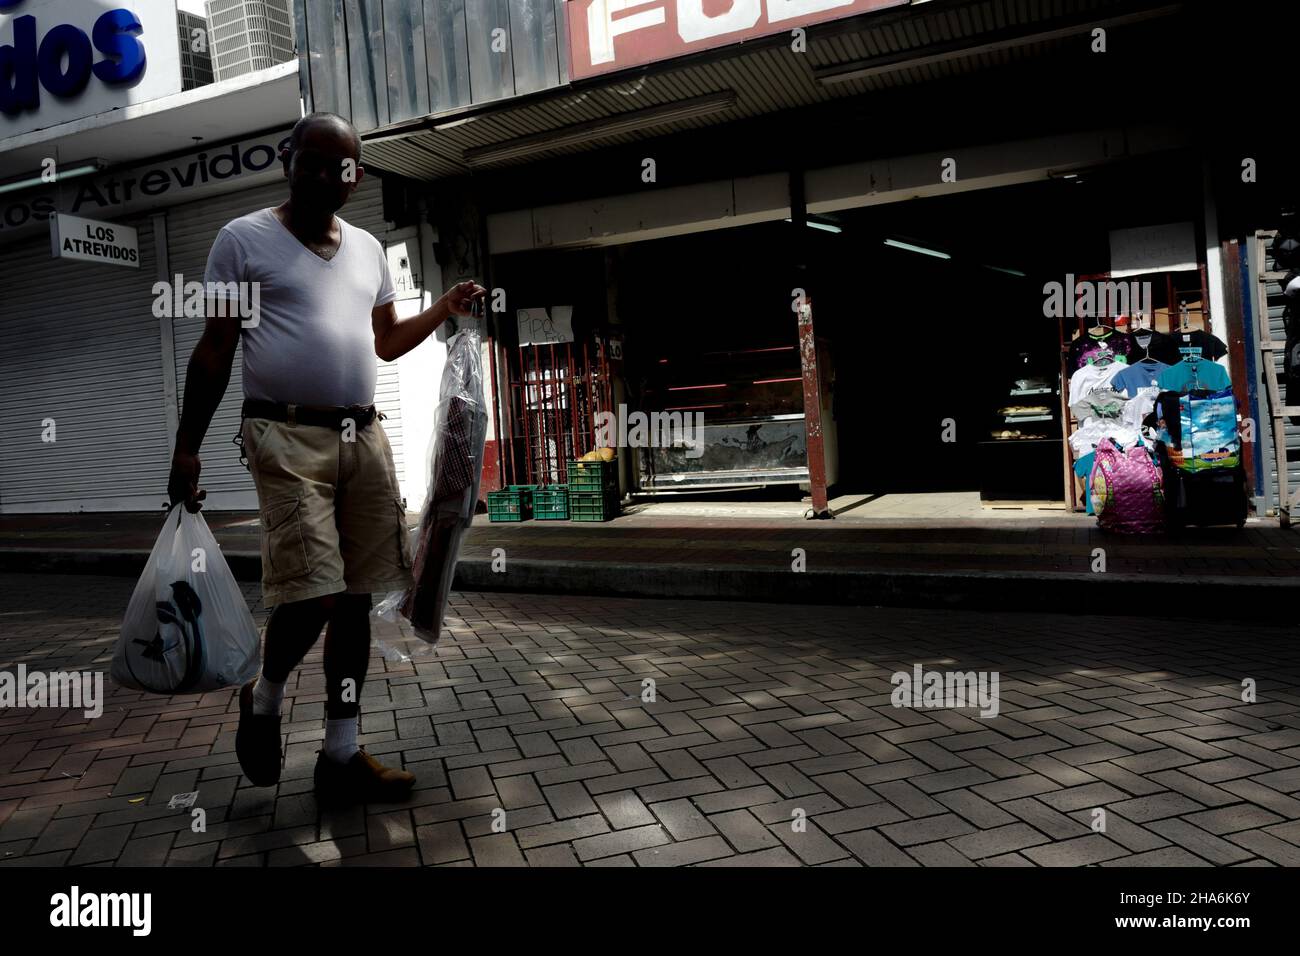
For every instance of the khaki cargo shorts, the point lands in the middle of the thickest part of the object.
(333, 517)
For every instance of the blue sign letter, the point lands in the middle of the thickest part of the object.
(115, 36)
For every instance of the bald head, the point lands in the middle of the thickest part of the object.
(329, 126)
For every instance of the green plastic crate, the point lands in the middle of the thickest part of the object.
(592, 505)
(514, 503)
(551, 503)
(593, 476)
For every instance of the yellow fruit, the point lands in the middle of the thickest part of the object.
(606, 454)
(590, 456)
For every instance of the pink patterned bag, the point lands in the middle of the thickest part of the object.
(1127, 490)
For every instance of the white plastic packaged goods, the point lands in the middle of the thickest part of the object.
(187, 629)
(455, 471)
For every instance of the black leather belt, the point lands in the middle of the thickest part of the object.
(334, 417)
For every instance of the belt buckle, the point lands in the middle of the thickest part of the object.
(357, 414)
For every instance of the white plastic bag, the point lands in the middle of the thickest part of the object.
(187, 629)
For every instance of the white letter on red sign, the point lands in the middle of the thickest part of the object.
(694, 24)
(602, 27)
(778, 10)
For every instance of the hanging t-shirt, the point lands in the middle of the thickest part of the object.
(1211, 346)
(1148, 343)
(1089, 348)
(1138, 375)
(1101, 402)
(1090, 377)
(1140, 406)
(1198, 373)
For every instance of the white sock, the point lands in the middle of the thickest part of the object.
(341, 739)
(267, 696)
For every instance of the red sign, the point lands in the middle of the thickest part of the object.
(608, 35)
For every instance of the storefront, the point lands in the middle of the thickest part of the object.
(93, 354)
(957, 358)
(840, 257)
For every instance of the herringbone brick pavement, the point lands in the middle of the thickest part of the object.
(771, 741)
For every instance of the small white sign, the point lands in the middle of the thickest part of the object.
(406, 278)
(90, 240)
(545, 326)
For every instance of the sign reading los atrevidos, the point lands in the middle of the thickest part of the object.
(62, 60)
(126, 192)
(90, 240)
(606, 35)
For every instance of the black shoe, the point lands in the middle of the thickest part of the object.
(363, 779)
(257, 742)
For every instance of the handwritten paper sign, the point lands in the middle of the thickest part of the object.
(545, 326)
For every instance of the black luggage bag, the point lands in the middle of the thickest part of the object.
(1210, 497)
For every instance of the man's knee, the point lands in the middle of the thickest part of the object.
(349, 607)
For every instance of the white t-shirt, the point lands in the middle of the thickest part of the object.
(313, 343)
(1089, 377)
(1140, 405)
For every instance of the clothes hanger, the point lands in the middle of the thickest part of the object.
(1150, 337)
(1100, 331)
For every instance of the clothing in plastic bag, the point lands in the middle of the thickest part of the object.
(1199, 429)
(1127, 489)
(455, 471)
(187, 628)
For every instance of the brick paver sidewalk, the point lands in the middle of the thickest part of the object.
(763, 715)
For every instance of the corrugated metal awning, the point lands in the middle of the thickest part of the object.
(848, 58)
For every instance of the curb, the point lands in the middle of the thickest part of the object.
(1205, 597)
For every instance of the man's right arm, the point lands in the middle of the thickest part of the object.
(206, 378)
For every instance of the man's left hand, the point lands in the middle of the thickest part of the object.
(460, 298)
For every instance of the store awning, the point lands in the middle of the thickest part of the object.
(848, 58)
(262, 100)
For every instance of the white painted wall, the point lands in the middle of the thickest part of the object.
(419, 372)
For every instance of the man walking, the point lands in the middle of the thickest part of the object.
(333, 520)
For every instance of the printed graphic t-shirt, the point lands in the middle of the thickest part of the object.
(313, 343)
(1138, 375)
(1091, 377)
(1087, 348)
(1211, 346)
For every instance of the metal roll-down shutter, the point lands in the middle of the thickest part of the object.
(80, 347)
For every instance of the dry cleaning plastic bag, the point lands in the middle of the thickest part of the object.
(187, 629)
(455, 469)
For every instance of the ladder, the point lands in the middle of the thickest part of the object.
(1267, 346)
